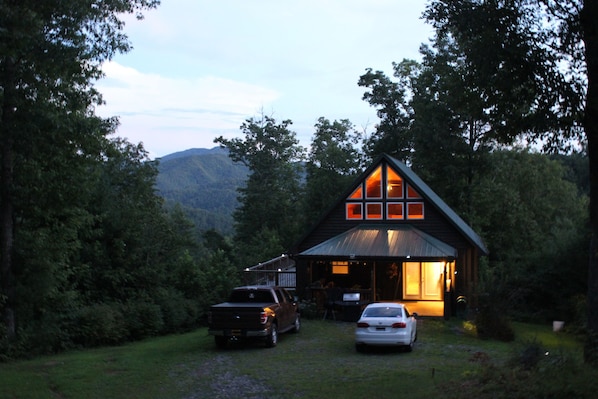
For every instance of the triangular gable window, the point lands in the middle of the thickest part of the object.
(373, 184)
(357, 194)
(387, 197)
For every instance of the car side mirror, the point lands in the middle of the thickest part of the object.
(414, 314)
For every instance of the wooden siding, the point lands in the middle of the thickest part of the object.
(336, 223)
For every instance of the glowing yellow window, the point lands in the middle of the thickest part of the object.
(373, 210)
(415, 210)
(340, 267)
(394, 210)
(357, 194)
(411, 193)
(373, 184)
(394, 184)
(354, 211)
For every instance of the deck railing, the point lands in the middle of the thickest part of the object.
(277, 271)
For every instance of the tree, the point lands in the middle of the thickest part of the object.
(50, 55)
(534, 221)
(130, 240)
(559, 62)
(268, 218)
(393, 134)
(332, 164)
(589, 26)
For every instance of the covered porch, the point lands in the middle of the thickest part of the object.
(381, 263)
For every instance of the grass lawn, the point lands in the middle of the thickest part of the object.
(318, 362)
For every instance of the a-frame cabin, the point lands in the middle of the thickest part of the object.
(390, 237)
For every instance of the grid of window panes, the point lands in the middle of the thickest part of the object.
(384, 195)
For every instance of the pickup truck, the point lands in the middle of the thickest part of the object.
(254, 312)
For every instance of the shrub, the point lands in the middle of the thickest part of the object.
(491, 320)
(99, 324)
(529, 356)
(308, 309)
(493, 325)
(178, 313)
(143, 319)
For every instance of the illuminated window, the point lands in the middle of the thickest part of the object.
(394, 210)
(384, 195)
(357, 194)
(394, 184)
(373, 210)
(340, 267)
(411, 193)
(373, 184)
(415, 210)
(354, 211)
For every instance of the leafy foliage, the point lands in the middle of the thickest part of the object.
(267, 220)
(534, 221)
(89, 255)
(333, 162)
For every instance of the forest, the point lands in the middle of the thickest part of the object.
(498, 117)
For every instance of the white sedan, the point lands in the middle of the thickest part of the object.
(386, 324)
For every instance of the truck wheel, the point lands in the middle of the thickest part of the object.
(220, 341)
(297, 325)
(272, 339)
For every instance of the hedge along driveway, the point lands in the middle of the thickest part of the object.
(320, 361)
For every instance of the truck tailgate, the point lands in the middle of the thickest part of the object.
(237, 315)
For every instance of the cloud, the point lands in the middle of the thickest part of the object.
(199, 68)
(182, 109)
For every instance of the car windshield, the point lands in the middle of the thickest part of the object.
(383, 312)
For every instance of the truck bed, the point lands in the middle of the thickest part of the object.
(232, 315)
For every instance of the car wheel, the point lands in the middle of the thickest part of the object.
(272, 338)
(360, 348)
(220, 341)
(297, 323)
(409, 347)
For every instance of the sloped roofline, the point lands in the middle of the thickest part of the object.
(423, 189)
(382, 241)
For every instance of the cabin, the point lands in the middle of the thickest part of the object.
(389, 238)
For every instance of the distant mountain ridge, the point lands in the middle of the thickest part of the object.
(194, 151)
(204, 182)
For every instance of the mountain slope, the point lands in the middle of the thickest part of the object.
(204, 182)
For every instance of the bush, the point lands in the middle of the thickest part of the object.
(308, 309)
(529, 356)
(99, 324)
(491, 322)
(178, 313)
(144, 319)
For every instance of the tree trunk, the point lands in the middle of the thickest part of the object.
(589, 21)
(7, 291)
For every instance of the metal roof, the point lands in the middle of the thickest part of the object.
(380, 241)
(425, 191)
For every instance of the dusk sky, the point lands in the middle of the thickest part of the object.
(199, 68)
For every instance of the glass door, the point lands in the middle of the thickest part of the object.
(423, 280)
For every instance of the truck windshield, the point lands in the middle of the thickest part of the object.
(250, 296)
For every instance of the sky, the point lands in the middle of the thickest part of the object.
(200, 68)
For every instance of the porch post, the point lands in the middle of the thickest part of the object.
(447, 293)
(373, 284)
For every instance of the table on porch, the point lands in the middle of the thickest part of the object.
(349, 302)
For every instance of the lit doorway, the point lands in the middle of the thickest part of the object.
(423, 281)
